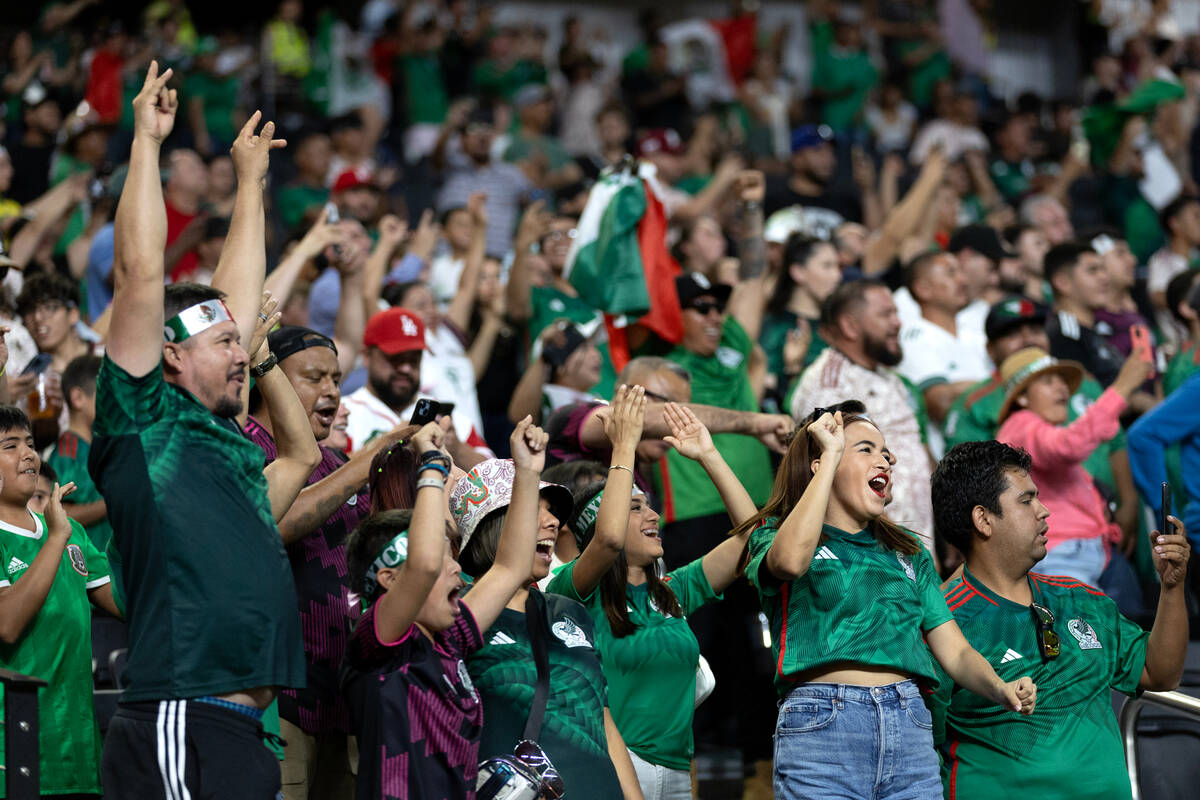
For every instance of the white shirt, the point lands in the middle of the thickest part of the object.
(833, 378)
(370, 417)
(955, 140)
(932, 356)
(447, 374)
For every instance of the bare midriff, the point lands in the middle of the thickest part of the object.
(852, 675)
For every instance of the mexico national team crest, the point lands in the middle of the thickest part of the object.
(1084, 634)
(906, 562)
(571, 634)
(76, 555)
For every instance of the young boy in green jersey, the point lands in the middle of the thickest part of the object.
(49, 571)
(1064, 634)
(70, 454)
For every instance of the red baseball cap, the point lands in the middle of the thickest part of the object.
(353, 179)
(660, 140)
(396, 330)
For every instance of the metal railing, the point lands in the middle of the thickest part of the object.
(1132, 709)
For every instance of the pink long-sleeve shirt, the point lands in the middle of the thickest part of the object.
(1076, 506)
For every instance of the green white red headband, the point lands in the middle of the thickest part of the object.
(393, 555)
(196, 319)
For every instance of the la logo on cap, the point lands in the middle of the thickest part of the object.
(407, 325)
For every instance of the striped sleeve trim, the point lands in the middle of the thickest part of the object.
(96, 584)
(1066, 582)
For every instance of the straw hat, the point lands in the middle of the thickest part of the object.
(1023, 366)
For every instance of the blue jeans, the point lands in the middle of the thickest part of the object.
(855, 742)
(1082, 559)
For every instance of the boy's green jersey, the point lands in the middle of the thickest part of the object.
(56, 646)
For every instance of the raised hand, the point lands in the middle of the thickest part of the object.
(477, 208)
(535, 222)
(154, 106)
(392, 229)
(1171, 552)
(829, 432)
(268, 318)
(56, 518)
(251, 152)
(432, 436)
(750, 186)
(625, 419)
(322, 234)
(795, 346)
(688, 434)
(528, 443)
(425, 236)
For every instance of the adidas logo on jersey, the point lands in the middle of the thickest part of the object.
(502, 638)
(16, 565)
(825, 554)
(1011, 655)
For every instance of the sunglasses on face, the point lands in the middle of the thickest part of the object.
(706, 307)
(1048, 641)
(532, 756)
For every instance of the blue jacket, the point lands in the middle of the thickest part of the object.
(1177, 419)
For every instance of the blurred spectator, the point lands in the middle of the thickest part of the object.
(184, 187)
(540, 156)
(581, 102)
(892, 120)
(1031, 246)
(463, 154)
(864, 348)
(41, 117)
(308, 189)
(769, 97)
(809, 184)
(1181, 222)
(1049, 216)
(656, 95)
(791, 338)
(955, 130)
(842, 70)
(213, 114)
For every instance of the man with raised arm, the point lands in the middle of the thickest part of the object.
(208, 591)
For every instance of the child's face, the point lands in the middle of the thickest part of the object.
(19, 464)
(41, 496)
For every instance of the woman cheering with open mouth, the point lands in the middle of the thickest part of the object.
(852, 600)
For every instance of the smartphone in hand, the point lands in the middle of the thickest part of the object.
(1139, 338)
(1164, 525)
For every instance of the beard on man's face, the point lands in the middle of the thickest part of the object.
(391, 398)
(228, 408)
(879, 350)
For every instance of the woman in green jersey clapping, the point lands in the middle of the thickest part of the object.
(648, 652)
(857, 618)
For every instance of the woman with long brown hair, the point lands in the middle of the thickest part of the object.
(857, 618)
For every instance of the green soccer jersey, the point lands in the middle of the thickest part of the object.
(208, 590)
(505, 676)
(57, 647)
(775, 330)
(549, 304)
(69, 459)
(858, 603)
(973, 418)
(651, 674)
(718, 380)
(1069, 747)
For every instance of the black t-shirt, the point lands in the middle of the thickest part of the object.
(824, 211)
(1071, 339)
(31, 171)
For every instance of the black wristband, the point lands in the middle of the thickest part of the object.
(435, 457)
(264, 366)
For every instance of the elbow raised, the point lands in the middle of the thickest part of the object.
(785, 569)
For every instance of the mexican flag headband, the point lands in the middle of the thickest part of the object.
(195, 319)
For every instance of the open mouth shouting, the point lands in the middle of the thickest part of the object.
(651, 532)
(325, 413)
(879, 484)
(545, 548)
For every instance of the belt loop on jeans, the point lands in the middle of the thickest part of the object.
(841, 695)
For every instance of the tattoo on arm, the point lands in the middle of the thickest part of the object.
(751, 248)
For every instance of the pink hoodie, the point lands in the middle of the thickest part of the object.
(1076, 507)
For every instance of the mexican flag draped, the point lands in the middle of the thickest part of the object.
(619, 261)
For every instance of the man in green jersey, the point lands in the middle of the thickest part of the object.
(213, 624)
(49, 572)
(1064, 634)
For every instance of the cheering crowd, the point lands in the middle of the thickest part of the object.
(852, 431)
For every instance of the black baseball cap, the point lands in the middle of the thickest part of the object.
(983, 239)
(691, 285)
(291, 339)
(1011, 313)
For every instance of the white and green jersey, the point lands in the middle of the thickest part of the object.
(57, 647)
(1069, 747)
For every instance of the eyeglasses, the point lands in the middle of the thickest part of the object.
(662, 398)
(706, 307)
(1048, 642)
(554, 236)
(532, 756)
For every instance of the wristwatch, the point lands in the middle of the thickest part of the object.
(264, 366)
